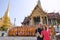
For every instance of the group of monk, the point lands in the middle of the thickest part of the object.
(44, 32)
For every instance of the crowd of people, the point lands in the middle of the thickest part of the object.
(45, 32)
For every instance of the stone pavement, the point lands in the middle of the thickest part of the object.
(18, 38)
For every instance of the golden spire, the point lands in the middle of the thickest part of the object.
(7, 11)
(39, 4)
(6, 19)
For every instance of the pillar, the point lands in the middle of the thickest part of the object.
(31, 21)
(41, 19)
(47, 20)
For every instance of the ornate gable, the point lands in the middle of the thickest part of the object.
(38, 11)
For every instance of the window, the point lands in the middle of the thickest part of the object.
(53, 21)
(36, 20)
(44, 20)
(49, 21)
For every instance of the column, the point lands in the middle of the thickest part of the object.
(31, 21)
(51, 22)
(47, 20)
(41, 19)
(56, 22)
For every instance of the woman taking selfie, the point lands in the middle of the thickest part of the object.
(46, 33)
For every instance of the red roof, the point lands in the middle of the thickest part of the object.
(54, 16)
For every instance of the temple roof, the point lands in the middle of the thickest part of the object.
(54, 16)
(26, 20)
(39, 6)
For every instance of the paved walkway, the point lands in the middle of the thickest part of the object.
(20, 38)
(17, 38)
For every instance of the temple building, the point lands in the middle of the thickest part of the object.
(5, 20)
(26, 21)
(53, 18)
(37, 15)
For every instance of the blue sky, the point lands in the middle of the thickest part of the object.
(22, 8)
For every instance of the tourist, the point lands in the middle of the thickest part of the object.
(59, 28)
(52, 29)
(46, 33)
(38, 32)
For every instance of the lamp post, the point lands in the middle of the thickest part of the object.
(14, 21)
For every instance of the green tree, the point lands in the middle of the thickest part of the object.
(3, 28)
